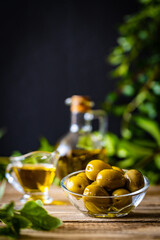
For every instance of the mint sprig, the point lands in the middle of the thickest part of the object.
(39, 217)
(32, 215)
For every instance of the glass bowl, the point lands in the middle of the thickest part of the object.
(105, 206)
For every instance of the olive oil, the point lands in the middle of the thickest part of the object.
(77, 159)
(35, 178)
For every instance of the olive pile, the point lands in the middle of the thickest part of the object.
(102, 179)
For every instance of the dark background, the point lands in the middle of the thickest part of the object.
(51, 50)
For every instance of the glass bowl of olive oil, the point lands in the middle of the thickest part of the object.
(32, 174)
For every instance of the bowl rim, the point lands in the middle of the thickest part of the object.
(144, 189)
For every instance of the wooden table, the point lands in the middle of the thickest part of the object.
(142, 223)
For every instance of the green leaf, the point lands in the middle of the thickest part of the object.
(143, 35)
(142, 78)
(39, 202)
(17, 222)
(110, 142)
(39, 217)
(145, 143)
(149, 109)
(45, 145)
(7, 213)
(9, 232)
(32, 215)
(131, 149)
(126, 163)
(126, 43)
(2, 187)
(119, 109)
(149, 126)
(156, 88)
(7, 210)
(126, 133)
(128, 90)
(121, 70)
(157, 160)
(115, 59)
(21, 221)
(16, 153)
(122, 152)
(111, 97)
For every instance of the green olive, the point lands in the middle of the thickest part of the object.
(118, 169)
(121, 202)
(77, 184)
(83, 175)
(94, 183)
(135, 180)
(110, 179)
(95, 204)
(94, 167)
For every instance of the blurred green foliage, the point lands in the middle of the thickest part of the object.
(136, 62)
(45, 145)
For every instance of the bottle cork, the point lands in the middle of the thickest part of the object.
(80, 103)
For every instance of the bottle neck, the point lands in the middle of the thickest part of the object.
(78, 123)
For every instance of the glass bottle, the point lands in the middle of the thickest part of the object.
(81, 144)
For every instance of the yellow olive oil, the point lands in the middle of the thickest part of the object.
(35, 177)
(77, 159)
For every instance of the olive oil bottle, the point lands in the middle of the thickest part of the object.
(82, 143)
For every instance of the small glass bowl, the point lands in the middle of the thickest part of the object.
(105, 206)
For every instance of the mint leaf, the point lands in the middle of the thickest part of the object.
(9, 208)
(6, 212)
(21, 221)
(7, 231)
(39, 217)
(39, 202)
(13, 221)
(32, 215)
(18, 222)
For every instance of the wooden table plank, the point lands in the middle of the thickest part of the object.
(142, 223)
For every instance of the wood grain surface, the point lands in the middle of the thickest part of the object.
(142, 223)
